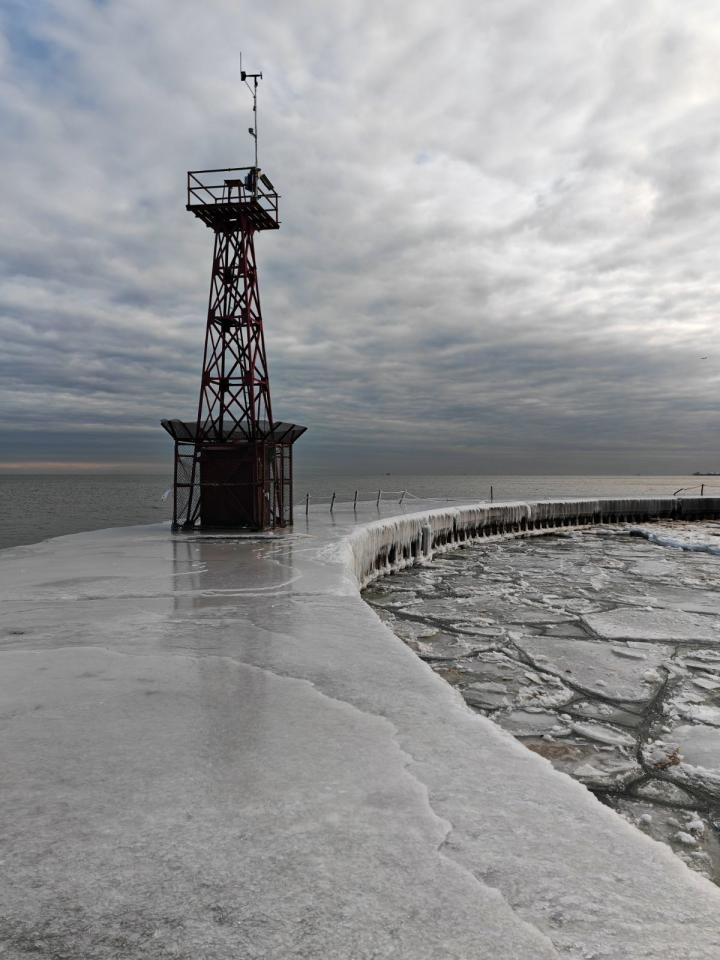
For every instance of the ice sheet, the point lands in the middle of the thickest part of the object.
(212, 747)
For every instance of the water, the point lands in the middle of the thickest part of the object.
(35, 507)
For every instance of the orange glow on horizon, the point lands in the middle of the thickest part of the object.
(44, 466)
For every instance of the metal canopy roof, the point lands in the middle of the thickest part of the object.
(187, 432)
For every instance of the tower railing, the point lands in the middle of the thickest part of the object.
(241, 186)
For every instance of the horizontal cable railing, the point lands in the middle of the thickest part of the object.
(404, 496)
(394, 496)
(698, 486)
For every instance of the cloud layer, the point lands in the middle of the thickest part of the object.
(499, 245)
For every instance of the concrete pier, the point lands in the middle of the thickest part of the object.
(212, 748)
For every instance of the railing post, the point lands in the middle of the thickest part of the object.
(307, 503)
(402, 496)
(377, 503)
(491, 493)
(355, 501)
(332, 502)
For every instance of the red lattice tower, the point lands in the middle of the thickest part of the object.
(233, 465)
(235, 390)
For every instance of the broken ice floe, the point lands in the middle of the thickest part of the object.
(630, 623)
(595, 667)
(621, 692)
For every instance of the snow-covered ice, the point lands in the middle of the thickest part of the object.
(212, 747)
(695, 537)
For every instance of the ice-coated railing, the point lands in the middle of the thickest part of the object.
(384, 546)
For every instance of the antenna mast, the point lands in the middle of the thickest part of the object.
(253, 130)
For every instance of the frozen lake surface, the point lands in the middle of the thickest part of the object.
(598, 649)
(213, 748)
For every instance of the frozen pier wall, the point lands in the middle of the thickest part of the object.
(213, 748)
(390, 544)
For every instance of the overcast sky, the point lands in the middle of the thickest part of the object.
(500, 248)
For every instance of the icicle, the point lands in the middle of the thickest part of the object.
(383, 546)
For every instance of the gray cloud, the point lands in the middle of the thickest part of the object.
(499, 241)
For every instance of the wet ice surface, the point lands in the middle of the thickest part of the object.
(599, 650)
(212, 748)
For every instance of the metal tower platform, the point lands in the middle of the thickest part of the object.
(226, 198)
